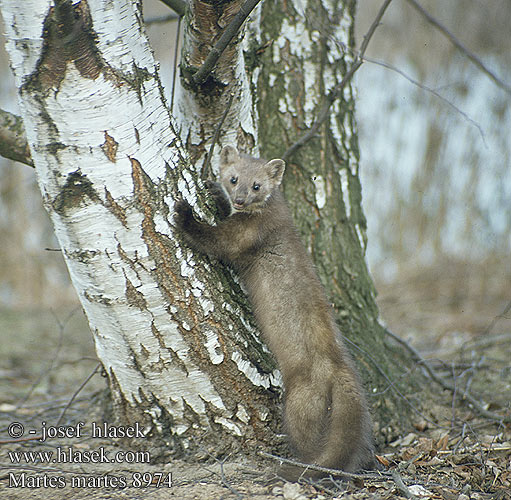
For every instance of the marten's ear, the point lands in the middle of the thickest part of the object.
(229, 155)
(275, 169)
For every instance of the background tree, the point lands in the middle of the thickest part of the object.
(434, 163)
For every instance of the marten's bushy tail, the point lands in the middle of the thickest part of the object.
(327, 419)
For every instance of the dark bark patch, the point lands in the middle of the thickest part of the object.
(83, 256)
(143, 185)
(75, 191)
(67, 37)
(98, 298)
(54, 147)
(110, 147)
(208, 22)
(131, 262)
(175, 359)
(190, 415)
(210, 87)
(115, 208)
(134, 297)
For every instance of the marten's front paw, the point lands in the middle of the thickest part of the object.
(183, 214)
(214, 188)
(217, 192)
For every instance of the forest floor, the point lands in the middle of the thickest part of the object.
(462, 329)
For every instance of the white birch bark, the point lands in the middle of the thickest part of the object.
(176, 350)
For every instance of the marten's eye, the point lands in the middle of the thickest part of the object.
(234, 180)
(256, 187)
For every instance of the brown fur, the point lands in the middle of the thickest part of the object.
(325, 413)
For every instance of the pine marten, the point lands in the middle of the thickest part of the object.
(325, 412)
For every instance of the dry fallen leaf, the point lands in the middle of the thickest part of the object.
(384, 461)
(424, 446)
(442, 442)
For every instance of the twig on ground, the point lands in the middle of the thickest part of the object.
(335, 93)
(324, 470)
(73, 397)
(338, 485)
(226, 483)
(228, 34)
(20, 440)
(401, 486)
(491, 446)
(470, 55)
(222, 473)
(492, 340)
(462, 397)
(463, 436)
(454, 395)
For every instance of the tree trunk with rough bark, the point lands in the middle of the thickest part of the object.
(307, 55)
(173, 330)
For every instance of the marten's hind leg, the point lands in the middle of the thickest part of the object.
(306, 418)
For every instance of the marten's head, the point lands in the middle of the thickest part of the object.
(249, 182)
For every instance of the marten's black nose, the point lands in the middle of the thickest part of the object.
(239, 202)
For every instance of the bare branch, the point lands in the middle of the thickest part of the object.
(470, 55)
(202, 73)
(334, 94)
(360, 58)
(162, 19)
(178, 6)
(430, 90)
(207, 162)
(13, 142)
(392, 385)
(325, 111)
(495, 320)
(372, 28)
(73, 397)
(176, 55)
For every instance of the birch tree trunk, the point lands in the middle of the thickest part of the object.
(180, 354)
